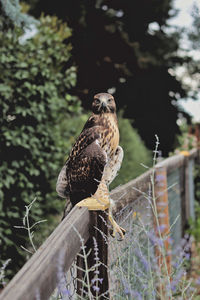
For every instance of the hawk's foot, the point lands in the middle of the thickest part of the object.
(116, 228)
(94, 204)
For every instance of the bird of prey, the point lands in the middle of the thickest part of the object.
(94, 160)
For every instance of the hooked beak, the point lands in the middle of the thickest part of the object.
(103, 105)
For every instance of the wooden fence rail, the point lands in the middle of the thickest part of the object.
(39, 276)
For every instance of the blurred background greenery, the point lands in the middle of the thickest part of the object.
(54, 58)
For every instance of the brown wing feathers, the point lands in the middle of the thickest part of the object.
(80, 176)
(83, 171)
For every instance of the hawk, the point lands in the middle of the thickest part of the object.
(94, 160)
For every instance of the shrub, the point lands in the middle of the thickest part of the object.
(35, 79)
(135, 153)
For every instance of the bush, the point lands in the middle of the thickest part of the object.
(135, 153)
(35, 79)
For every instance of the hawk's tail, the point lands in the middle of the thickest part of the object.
(62, 183)
(67, 209)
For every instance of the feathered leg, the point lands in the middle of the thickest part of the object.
(101, 200)
(110, 173)
(113, 166)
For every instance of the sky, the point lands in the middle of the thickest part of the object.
(184, 19)
(183, 16)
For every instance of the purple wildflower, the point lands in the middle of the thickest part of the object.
(161, 215)
(95, 279)
(177, 278)
(96, 288)
(187, 256)
(142, 259)
(154, 239)
(170, 240)
(128, 291)
(198, 280)
(162, 203)
(136, 295)
(160, 193)
(160, 177)
(160, 184)
(162, 227)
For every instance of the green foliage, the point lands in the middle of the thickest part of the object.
(185, 140)
(135, 153)
(35, 79)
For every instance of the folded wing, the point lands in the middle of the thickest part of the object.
(80, 176)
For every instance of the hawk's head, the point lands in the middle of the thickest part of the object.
(103, 103)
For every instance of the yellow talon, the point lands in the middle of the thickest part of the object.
(185, 153)
(116, 227)
(93, 204)
(101, 201)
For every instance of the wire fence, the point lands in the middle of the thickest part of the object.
(175, 208)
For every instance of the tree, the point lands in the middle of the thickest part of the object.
(114, 46)
(193, 66)
(35, 81)
(194, 71)
(194, 32)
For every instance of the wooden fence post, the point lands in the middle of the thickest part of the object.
(161, 195)
(186, 182)
(97, 260)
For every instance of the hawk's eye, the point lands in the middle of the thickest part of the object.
(110, 100)
(97, 101)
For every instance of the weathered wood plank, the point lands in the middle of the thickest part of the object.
(187, 194)
(40, 274)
